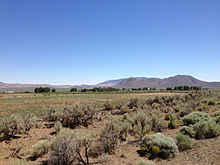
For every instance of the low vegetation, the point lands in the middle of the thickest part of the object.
(16, 124)
(158, 145)
(183, 142)
(193, 116)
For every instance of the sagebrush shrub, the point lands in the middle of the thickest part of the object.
(134, 103)
(18, 162)
(15, 124)
(186, 130)
(124, 109)
(173, 121)
(215, 114)
(157, 122)
(183, 142)
(158, 145)
(78, 114)
(62, 151)
(195, 117)
(108, 106)
(71, 148)
(144, 162)
(39, 149)
(29, 122)
(113, 131)
(58, 126)
(206, 129)
(140, 131)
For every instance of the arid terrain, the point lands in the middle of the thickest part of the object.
(205, 150)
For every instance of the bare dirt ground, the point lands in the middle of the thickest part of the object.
(205, 152)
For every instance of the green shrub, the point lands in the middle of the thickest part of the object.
(195, 117)
(62, 151)
(183, 142)
(108, 106)
(39, 149)
(140, 131)
(206, 129)
(144, 162)
(124, 109)
(113, 131)
(134, 103)
(215, 114)
(186, 130)
(29, 122)
(158, 145)
(144, 121)
(217, 119)
(157, 123)
(71, 148)
(58, 126)
(18, 162)
(78, 114)
(15, 124)
(173, 121)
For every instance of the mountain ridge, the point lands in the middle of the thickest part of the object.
(178, 80)
(132, 82)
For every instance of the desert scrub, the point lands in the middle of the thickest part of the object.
(183, 142)
(158, 145)
(157, 122)
(134, 103)
(173, 121)
(29, 122)
(70, 148)
(195, 117)
(144, 122)
(144, 162)
(124, 109)
(189, 131)
(39, 149)
(62, 151)
(73, 116)
(141, 124)
(113, 131)
(15, 124)
(140, 131)
(108, 106)
(206, 129)
(58, 126)
(216, 117)
(18, 162)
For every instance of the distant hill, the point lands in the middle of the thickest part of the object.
(179, 80)
(132, 82)
(29, 86)
(111, 83)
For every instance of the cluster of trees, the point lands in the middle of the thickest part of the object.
(43, 90)
(185, 88)
(73, 90)
(109, 89)
(100, 89)
(141, 89)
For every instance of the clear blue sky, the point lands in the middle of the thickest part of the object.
(88, 41)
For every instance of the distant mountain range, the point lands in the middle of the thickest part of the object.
(179, 80)
(132, 82)
(112, 83)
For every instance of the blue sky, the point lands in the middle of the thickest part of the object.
(88, 41)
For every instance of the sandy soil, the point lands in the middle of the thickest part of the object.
(205, 152)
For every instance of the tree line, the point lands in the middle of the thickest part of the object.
(43, 90)
(184, 88)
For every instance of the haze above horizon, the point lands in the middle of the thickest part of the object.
(87, 42)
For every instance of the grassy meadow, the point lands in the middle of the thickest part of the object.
(38, 103)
